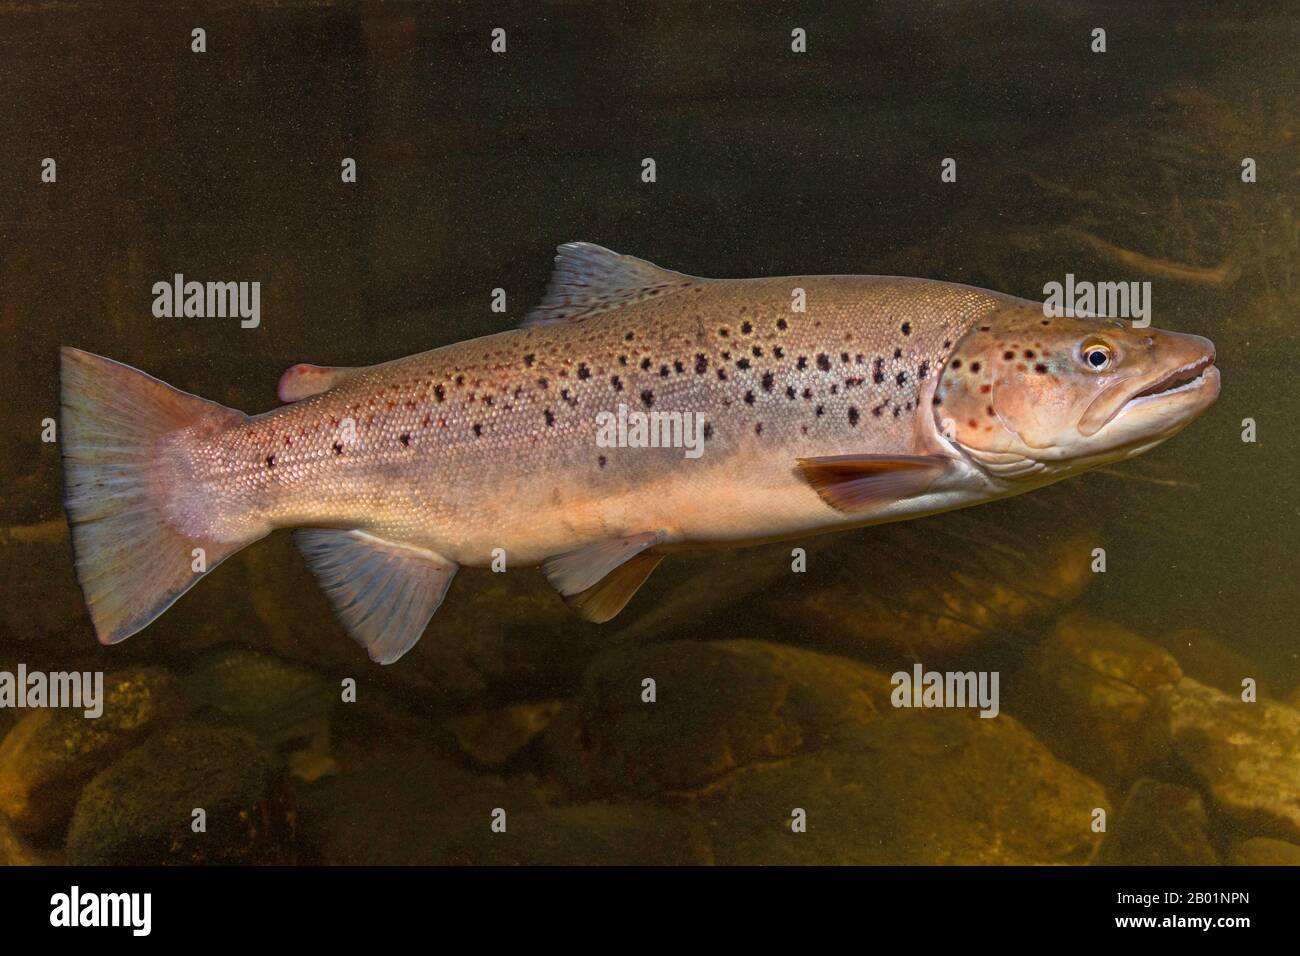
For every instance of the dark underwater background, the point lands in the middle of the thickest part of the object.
(1120, 691)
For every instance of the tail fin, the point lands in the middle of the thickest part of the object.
(132, 563)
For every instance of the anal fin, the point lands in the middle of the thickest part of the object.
(860, 483)
(384, 592)
(597, 581)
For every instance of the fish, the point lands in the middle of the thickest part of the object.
(823, 403)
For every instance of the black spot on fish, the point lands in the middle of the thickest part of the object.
(583, 371)
(947, 343)
(1029, 353)
(723, 333)
(820, 411)
(601, 460)
(924, 370)
(758, 428)
(807, 393)
(544, 383)
(878, 371)
(663, 371)
(338, 449)
(701, 364)
(629, 337)
(645, 364)
(1040, 368)
(955, 363)
(823, 362)
(708, 430)
(768, 379)
(936, 400)
(778, 351)
(550, 417)
(900, 378)
(898, 353)
(782, 324)
(678, 367)
(622, 360)
(1008, 355)
(758, 352)
(478, 430)
(802, 363)
(460, 379)
(270, 461)
(907, 328)
(974, 366)
(647, 398)
(439, 392)
(789, 391)
(742, 363)
(616, 382)
(746, 328)
(529, 359)
(722, 374)
(749, 398)
(405, 439)
(853, 416)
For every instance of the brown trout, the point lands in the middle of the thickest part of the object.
(637, 411)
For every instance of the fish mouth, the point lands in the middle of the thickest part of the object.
(1157, 402)
(1189, 378)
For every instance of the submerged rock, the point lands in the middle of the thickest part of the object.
(587, 835)
(140, 810)
(286, 706)
(718, 706)
(1086, 691)
(936, 592)
(914, 787)
(405, 803)
(49, 755)
(1261, 851)
(492, 738)
(1159, 824)
(1246, 755)
(1203, 658)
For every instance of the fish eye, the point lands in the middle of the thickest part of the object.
(1097, 356)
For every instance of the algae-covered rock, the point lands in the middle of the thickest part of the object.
(403, 805)
(493, 737)
(914, 787)
(141, 810)
(587, 835)
(1159, 824)
(1086, 691)
(1211, 662)
(276, 700)
(1262, 851)
(17, 851)
(716, 706)
(905, 596)
(48, 756)
(1245, 754)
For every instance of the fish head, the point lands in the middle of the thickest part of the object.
(1026, 395)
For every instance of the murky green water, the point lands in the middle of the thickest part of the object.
(473, 166)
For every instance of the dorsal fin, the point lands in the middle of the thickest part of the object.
(590, 279)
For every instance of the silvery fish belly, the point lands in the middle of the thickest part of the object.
(637, 411)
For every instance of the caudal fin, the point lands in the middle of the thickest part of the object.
(131, 561)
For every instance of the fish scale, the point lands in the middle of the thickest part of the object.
(827, 417)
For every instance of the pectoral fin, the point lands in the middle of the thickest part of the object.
(384, 592)
(859, 483)
(597, 581)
